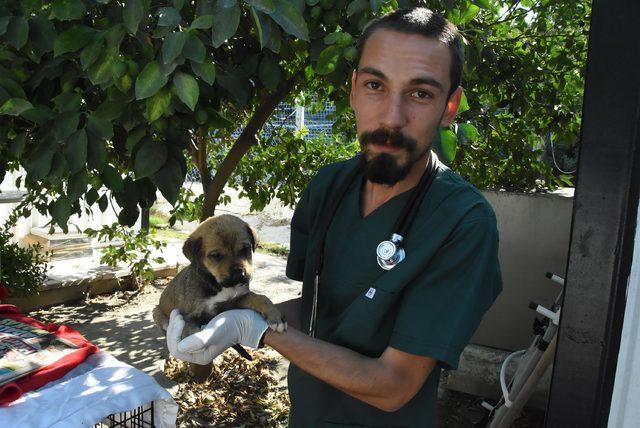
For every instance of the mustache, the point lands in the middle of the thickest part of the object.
(383, 136)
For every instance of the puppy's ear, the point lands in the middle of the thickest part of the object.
(253, 236)
(192, 250)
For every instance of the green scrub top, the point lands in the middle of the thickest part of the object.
(430, 304)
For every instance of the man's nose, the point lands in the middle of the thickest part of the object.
(393, 116)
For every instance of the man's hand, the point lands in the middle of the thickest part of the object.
(243, 326)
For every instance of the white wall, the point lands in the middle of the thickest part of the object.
(534, 239)
(625, 409)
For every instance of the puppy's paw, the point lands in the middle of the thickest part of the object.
(276, 321)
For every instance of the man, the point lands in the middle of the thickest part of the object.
(381, 336)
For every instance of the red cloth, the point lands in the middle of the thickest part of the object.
(13, 390)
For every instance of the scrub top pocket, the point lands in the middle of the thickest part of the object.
(367, 323)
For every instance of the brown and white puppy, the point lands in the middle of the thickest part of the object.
(220, 251)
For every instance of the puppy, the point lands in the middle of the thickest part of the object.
(220, 254)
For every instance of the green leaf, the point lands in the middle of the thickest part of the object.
(169, 179)
(270, 72)
(110, 110)
(67, 10)
(91, 52)
(77, 184)
(203, 22)
(134, 11)
(178, 4)
(60, 210)
(97, 154)
(485, 4)
(206, 71)
(17, 32)
(4, 22)
(332, 39)
(328, 60)
(66, 124)
(67, 101)
(128, 216)
(75, 150)
(258, 24)
(448, 144)
(99, 128)
(150, 158)
(469, 13)
(290, 19)
(237, 87)
(59, 168)
(149, 81)
(194, 49)
(12, 88)
(112, 179)
(357, 6)
(467, 133)
(71, 40)
(19, 143)
(42, 34)
(187, 89)
(100, 72)
(158, 105)
(133, 138)
(38, 115)
(266, 6)
(92, 196)
(376, 5)
(15, 106)
(38, 164)
(103, 204)
(168, 17)
(464, 104)
(225, 24)
(172, 46)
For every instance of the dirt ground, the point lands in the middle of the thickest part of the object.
(121, 324)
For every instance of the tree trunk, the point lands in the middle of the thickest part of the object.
(242, 145)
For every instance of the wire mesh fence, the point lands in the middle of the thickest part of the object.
(317, 122)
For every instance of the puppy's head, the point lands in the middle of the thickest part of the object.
(223, 246)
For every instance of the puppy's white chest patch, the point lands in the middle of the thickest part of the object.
(225, 294)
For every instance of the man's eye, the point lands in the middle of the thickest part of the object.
(373, 85)
(423, 95)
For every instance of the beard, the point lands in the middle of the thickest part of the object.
(384, 168)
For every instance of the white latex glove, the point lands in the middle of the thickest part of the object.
(242, 326)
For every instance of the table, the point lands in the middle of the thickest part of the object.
(99, 387)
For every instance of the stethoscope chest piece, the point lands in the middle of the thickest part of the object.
(390, 253)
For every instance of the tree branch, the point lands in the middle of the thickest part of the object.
(244, 142)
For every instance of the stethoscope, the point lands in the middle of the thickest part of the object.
(389, 253)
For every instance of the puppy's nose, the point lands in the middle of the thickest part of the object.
(238, 274)
(237, 271)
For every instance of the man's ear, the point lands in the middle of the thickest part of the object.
(451, 108)
(354, 76)
(192, 250)
(253, 236)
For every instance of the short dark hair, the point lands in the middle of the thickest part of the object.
(425, 22)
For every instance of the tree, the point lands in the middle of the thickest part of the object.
(126, 95)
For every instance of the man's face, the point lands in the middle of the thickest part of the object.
(399, 96)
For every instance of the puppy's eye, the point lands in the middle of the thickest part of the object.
(216, 256)
(246, 249)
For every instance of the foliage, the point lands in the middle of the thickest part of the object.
(136, 250)
(524, 84)
(22, 269)
(284, 163)
(106, 94)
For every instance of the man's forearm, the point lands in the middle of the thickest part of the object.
(368, 379)
(291, 311)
